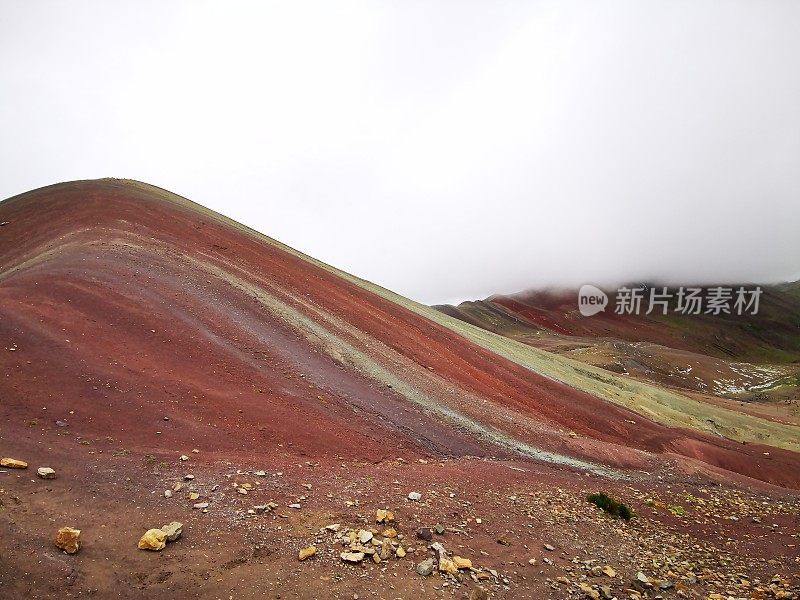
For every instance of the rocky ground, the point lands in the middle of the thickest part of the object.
(515, 529)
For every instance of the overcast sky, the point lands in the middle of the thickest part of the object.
(446, 150)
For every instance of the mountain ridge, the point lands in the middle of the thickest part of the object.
(230, 261)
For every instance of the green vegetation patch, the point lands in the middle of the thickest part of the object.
(611, 506)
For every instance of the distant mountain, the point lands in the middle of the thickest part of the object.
(752, 358)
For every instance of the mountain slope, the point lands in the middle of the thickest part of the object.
(129, 301)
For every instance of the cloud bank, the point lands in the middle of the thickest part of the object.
(445, 150)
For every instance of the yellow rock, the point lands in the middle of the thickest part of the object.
(609, 571)
(68, 539)
(307, 553)
(153, 539)
(462, 563)
(376, 559)
(401, 552)
(390, 533)
(447, 566)
(13, 463)
(384, 516)
(386, 549)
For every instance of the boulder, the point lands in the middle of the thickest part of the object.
(447, 566)
(384, 516)
(438, 549)
(153, 539)
(68, 539)
(352, 557)
(46, 473)
(306, 553)
(173, 531)
(386, 549)
(479, 593)
(364, 536)
(426, 567)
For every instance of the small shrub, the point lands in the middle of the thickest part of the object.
(611, 506)
(625, 512)
(677, 510)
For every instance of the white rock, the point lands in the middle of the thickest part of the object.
(46, 473)
(364, 536)
(173, 531)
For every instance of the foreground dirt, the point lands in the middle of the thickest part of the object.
(692, 536)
